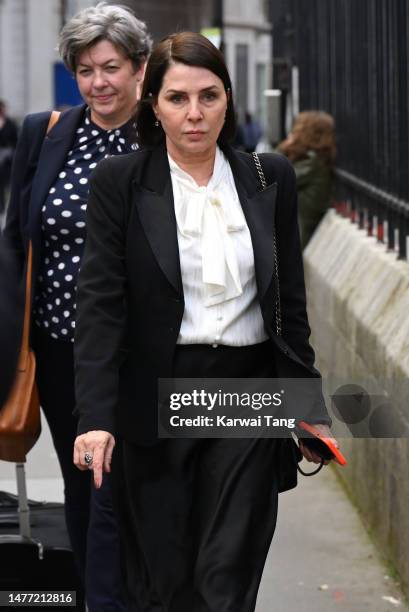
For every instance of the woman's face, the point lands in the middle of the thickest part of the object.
(108, 83)
(191, 106)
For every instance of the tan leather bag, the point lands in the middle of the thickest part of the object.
(20, 424)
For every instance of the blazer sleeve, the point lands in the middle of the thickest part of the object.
(295, 327)
(12, 230)
(101, 312)
(24, 165)
(9, 325)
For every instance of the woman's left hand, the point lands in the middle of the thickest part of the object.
(309, 454)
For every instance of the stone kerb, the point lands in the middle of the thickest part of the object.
(358, 305)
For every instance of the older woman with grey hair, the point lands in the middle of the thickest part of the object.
(105, 47)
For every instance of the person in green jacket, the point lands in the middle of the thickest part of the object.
(311, 148)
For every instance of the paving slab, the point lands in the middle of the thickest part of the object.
(321, 558)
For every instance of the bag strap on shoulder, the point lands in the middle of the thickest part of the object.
(55, 115)
(25, 348)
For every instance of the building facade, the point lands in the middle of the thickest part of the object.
(248, 42)
(29, 33)
(164, 17)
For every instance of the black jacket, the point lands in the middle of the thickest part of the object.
(8, 134)
(37, 161)
(9, 330)
(130, 294)
(8, 141)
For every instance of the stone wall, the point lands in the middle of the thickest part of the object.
(358, 303)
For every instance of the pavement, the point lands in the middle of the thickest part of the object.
(321, 558)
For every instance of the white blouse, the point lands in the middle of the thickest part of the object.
(217, 261)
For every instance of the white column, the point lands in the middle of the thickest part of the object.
(13, 56)
(43, 27)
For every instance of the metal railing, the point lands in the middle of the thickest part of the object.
(353, 58)
(382, 215)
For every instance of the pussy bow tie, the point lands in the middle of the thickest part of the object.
(213, 213)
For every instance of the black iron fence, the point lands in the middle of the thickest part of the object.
(382, 215)
(353, 63)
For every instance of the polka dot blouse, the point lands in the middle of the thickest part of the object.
(63, 224)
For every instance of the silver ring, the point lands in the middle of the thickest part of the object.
(88, 458)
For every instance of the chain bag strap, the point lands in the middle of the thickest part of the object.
(263, 183)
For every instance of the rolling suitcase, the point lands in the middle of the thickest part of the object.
(35, 554)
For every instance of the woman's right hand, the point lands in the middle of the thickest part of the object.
(97, 445)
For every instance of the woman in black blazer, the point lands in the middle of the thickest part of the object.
(178, 281)
(105, 49)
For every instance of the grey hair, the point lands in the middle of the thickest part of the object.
(114, 23)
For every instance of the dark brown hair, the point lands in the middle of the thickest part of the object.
(187, 48)
(312, 131)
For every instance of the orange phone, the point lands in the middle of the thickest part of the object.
(321, 445)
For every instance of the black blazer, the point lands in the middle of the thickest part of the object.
(9, 331)
(130, 294)
(8, 134)
(37, 161)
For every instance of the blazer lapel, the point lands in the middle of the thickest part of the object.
(154, 202)
(52, 158)
(259, 209)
